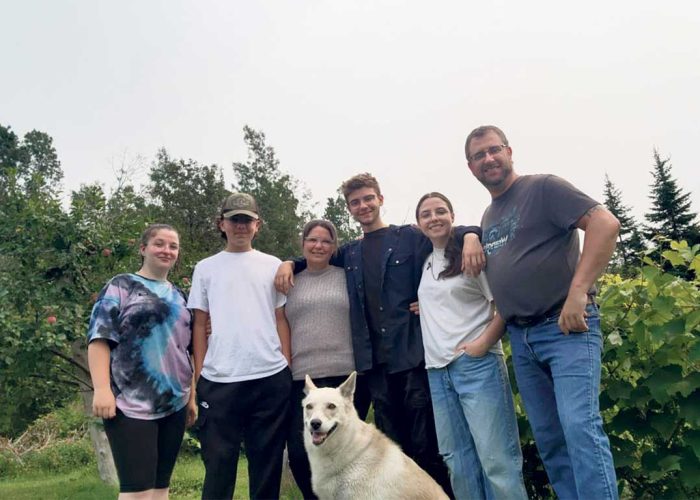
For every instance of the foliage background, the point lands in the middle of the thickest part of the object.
(54, 259)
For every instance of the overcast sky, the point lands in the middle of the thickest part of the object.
(341, 87)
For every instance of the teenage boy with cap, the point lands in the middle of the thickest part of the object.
(241, 369)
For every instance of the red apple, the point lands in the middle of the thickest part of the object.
(106, 252)
(51, 320)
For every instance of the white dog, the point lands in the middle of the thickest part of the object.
(351, 459)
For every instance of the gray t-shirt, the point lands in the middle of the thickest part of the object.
(531, 244)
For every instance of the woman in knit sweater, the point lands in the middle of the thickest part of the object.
(318, 312)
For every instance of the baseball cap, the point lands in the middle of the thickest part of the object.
(239, 203)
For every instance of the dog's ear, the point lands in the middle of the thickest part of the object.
(309, 385)
(347, 388)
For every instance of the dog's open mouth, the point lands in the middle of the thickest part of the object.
(318, 437)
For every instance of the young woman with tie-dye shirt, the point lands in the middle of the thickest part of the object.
(141, 369)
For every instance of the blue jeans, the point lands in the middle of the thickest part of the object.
(476, 427)
(559, 379)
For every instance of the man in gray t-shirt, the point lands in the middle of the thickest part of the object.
(543, 287)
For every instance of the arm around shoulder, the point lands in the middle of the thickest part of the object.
(473, 257)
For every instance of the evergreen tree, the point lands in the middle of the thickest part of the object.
(670, 214)
(280, 209)
(336, 211)
(630, 244)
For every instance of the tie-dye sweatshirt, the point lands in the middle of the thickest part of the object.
(148, 327)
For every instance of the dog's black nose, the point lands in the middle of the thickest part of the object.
(315, 424)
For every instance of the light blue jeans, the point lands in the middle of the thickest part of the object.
(559, 380)
(476, 428)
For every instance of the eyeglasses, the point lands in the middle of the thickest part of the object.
(493, 151)
(315, 241)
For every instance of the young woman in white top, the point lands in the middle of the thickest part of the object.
(471, 396)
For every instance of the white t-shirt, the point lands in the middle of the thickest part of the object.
(452, 310)
(237, 290)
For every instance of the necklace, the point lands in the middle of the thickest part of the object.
(431, 266)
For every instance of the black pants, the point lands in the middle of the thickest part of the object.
(145, 451)
(298, 461)
(253, 412)
(403, 411)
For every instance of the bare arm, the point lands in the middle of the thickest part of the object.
(284, 278)
(199, 341)
(103, 402)
(601, 228)
(192, 403)
(473, 257)
(493, 333)
(284, 334)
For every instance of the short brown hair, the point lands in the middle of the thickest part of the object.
(325, 224)
(482, 131)
(359, 181)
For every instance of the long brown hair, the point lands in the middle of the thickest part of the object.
(453, 252)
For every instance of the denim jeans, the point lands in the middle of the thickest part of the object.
(559, 379)
(476, 427)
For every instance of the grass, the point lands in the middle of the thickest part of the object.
(57, 462)
(84, 483)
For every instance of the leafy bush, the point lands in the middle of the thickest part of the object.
(55, 442)
(63, 456)
(651, 393)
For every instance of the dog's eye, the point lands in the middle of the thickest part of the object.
(331, 406)
(309, 406)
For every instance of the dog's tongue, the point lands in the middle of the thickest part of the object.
(318, 437)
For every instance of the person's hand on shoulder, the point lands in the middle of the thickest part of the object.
(284, 278)
(473, 257)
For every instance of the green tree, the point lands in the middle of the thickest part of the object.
(336, 211)
(630, 246)
(188, 196)
(670, 215)
(275, 192)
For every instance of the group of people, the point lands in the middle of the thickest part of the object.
(418, 310)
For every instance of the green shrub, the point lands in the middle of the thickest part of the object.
(9, 465)
(651, 375)
(64, 456)
(57, 441)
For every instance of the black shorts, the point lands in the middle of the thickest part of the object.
(145, 451)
